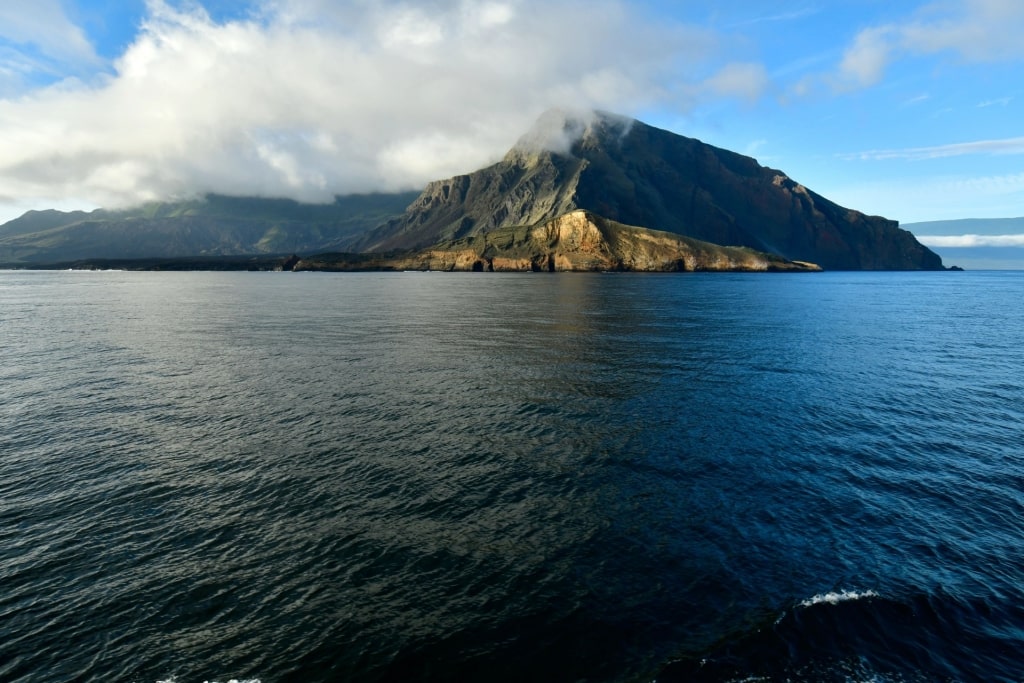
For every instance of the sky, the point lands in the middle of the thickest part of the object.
(913, 110)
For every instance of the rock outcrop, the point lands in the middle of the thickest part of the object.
(576, 241)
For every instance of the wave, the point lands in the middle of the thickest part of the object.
(174, 679)
(834, 598)
(862, 635)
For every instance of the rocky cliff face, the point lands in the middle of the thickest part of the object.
(519, 191)
(576, 241)
(635, 174)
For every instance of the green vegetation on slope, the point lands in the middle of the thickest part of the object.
(215, 225)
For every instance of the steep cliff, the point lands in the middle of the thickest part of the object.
(576, 241)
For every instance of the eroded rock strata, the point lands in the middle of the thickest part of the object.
(576, 241)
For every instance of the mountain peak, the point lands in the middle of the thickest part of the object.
(558, 130)
(635, 174)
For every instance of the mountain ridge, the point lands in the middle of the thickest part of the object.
(213, 225)
(636, 174)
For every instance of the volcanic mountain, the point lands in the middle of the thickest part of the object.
(634, 174)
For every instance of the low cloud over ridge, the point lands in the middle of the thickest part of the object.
(971, 240)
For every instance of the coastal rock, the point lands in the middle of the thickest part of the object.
(578, 241)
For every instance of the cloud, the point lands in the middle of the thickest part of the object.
(917, 99)
(1001, 146)
(556, 130)
(971, 240)
(980, 31)
(744, 80)
(1000, 101)
(977, 31)
(864, 62)
(794, 15)
(753, 146)
(310, 98)
(914, 199)
(44, 24)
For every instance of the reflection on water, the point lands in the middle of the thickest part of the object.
(434, 476)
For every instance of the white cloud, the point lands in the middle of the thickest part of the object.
(918, 99)
(1001, 146)
(912, 200)
(310, 98)
(971, 240)
(1000, 101)
(753, 146)
(44, 24)
(794, 15)
(410, 28)
(744, 80)
(864, 62)
(978, 31)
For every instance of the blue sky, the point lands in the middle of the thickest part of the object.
(911, 110)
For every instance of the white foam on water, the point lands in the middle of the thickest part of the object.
(174, 679)
(834, 598)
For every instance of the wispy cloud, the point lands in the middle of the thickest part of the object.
(913, 199)
(753, 146)
(1001, 102)
(978, 31)
(744, 80)
(971, 240)
(864, 62)
(44, 24)
(794, 15)
(1003, 146)
(924, 97)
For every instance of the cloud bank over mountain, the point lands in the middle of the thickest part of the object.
(308, 99)
(970, 240)
(104, 102)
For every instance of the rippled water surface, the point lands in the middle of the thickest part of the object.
(376, 477)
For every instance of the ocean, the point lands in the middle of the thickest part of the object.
(283, 477)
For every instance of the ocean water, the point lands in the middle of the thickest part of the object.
(283, 477)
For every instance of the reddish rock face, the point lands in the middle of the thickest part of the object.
(638, 175)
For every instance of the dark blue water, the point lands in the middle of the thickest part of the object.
(383, 477)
